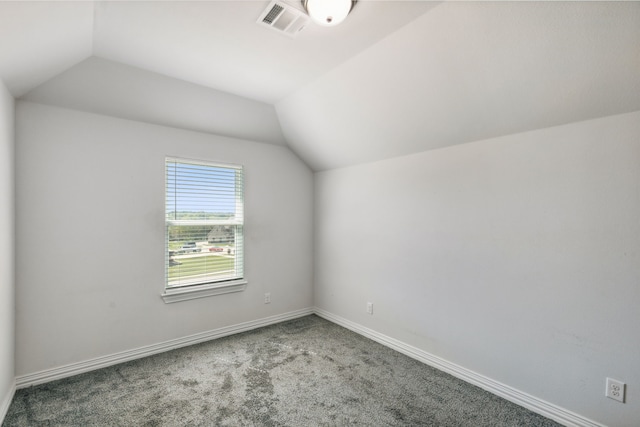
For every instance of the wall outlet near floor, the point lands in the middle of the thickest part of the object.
(615, 390)
(370, 307)
(267, 298)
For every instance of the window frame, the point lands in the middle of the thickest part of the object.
(209, 287)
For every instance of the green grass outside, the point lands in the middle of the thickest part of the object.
(207, 264)
(176, 246)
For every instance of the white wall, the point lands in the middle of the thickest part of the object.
(90, 235)
(515, 257)
(7, 249)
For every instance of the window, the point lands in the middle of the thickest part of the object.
(204, 229)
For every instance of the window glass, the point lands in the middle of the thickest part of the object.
(204, 223)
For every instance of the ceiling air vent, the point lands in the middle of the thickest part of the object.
(283, 18)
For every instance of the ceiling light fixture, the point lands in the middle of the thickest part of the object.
(328, 12)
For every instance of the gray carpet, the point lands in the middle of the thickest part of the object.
(305, 372)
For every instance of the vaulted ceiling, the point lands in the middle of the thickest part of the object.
(216, 44)
(397, 77)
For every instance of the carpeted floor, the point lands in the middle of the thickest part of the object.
(305, 372)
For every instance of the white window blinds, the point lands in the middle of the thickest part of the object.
(204, 223)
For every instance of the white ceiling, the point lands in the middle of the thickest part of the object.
(42, 39)
(463, 72)
(395, 78)
(217, 44)
(100, 86)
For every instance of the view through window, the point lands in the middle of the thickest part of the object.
(204, 223)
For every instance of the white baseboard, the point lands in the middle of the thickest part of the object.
(518, 397)
(511, 394)
(6, 401)
(47, 375)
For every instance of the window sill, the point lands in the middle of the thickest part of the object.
(203, 291)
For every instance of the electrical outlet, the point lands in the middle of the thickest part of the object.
(370, 307)
(615, 390)
(267, 298)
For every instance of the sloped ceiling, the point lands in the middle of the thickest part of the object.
(216, 44)
(468, 71)
(111, 88)
(395, 78)
(42, 39)
(219, 45)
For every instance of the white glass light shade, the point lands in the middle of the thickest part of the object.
(328, 12)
